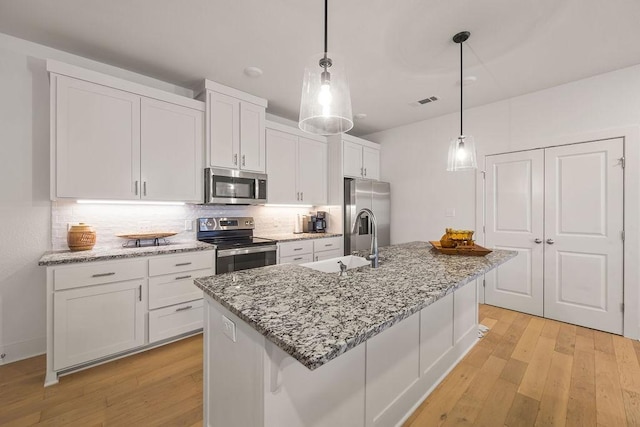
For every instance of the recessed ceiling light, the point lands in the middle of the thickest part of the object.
(253, 72)
(360, 116)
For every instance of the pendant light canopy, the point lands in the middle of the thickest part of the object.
(462, 150)
(325, 106)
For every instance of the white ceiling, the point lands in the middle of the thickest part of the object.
(396, 52)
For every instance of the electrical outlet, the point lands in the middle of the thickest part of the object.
(188, 225)
(229, 328)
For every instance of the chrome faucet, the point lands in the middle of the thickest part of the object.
(373, 256)
(343, 269)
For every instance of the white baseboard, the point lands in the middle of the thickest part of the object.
(22, 350)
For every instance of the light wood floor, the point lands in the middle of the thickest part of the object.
(530, 371)
(526, 371)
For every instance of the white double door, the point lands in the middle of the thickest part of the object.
(561, 208)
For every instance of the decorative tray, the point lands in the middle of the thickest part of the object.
(475, 250)
(147, 236)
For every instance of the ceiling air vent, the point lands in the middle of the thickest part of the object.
(428, 100)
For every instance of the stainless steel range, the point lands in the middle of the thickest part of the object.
(237, 249)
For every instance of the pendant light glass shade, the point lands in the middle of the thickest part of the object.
(462, 150)
(462, 154)
(325, 105)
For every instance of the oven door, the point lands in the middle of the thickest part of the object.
(228, 260)
(234, 187)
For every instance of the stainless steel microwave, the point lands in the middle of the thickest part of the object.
(234, 187)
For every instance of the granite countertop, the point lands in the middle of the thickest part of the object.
(315, 316)
(111, 253)
(290, 237)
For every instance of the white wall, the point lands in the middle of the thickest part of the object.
(25, 209)
(602, 106)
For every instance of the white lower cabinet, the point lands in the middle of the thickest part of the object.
(301, 251)
(97, 321)
(102, 310)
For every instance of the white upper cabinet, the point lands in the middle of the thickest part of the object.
(117, 140)
(96, 130)
(235, 128)
(359, 160)
(296, 167)
(171, 140)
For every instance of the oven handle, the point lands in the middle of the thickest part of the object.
(245, 251)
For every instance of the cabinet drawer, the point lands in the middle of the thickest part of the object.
(179, 263)
(320, 256)
(175, 288)
(328, 244)
(175, 320)
(288, 249)
(296, 259)
(98, 273)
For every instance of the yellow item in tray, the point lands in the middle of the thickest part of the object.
(454, 238)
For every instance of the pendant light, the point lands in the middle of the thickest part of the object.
(462, 150)
(325, 106)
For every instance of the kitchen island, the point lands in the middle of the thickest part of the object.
(287, 345)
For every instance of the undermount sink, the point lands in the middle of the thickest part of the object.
(332, 266)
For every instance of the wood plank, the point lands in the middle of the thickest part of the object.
(631, 401)
(584, 339)
(551, 328)
(609, 401)
(523, 411)
(581, 408)
(603, 342)
(514, 371)
(535, 376)
(472, 400)
(628, 365)
(505, 347)
(527, 342)
(496, 408)
(566, 341)
(553, 405)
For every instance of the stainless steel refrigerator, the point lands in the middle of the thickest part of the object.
(362, 193)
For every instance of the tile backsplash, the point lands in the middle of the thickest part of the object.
(111, 219)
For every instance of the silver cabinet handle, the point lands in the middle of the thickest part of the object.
(243, 163)
(361, 171)
(235, 159)
(144, 188)
(188, 276)
(297, 249)
(538, 241)
(140, 294)
(301, 196)
(137, 182)
(298, 195)
(365, 171)
(297, 258)
(180, 264)
(550, 242)
(328, 244)
(317, 258)
(184, 308)
(103, 274)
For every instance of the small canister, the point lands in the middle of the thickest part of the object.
(81, 237)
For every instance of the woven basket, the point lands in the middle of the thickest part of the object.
(81, 237)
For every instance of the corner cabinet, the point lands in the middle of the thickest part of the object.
(296, 166)
(235, 128)
(110, 141)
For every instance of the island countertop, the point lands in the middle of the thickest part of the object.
(315, 316)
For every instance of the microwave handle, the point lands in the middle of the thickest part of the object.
(256, 194)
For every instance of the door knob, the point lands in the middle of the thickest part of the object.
(538, 241)
(550, 241)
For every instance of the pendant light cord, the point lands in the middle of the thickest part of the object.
(461, 91)
(326, 7)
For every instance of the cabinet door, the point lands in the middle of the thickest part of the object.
(97, 321)
(97, 141)
(252, 138)
(371, 163)
(352, 159)
(281, 167)
(171, 152)
(312, 171)
(224, 130)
